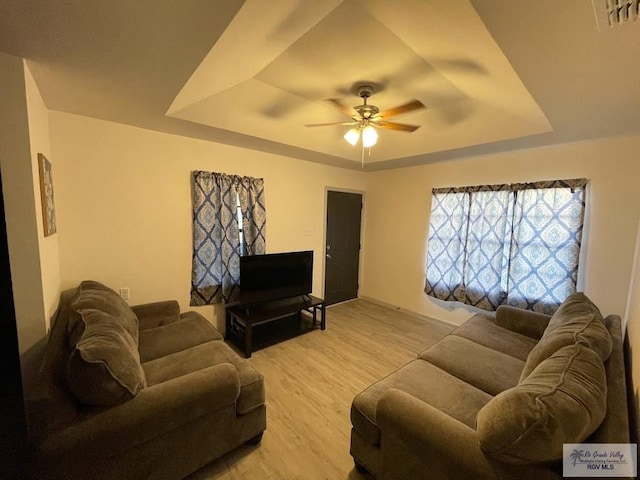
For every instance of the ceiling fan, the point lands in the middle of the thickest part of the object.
(366, 118)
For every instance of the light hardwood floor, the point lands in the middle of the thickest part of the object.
(310, 383)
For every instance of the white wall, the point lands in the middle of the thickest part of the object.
(399, 204)
(124, 204)
(20, 190)
(632, 319)
(47, 246)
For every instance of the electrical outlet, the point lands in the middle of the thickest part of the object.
(124, 293)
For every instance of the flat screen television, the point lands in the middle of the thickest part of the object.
(275, 276)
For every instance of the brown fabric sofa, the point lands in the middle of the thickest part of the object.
(141, 392)
(497, 398)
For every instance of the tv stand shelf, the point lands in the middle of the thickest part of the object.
(252, 326)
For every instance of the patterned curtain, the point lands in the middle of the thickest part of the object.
(447, 243)
(487, 243)
(254, 217)
(545, 244)
(517, 244)
(216, 235)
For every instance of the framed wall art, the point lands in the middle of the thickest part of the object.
(46, 196)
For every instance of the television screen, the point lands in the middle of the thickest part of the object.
(275, 276)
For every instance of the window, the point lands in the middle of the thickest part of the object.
(240, 223)
(513, 244)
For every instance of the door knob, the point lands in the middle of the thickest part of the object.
(328, 256)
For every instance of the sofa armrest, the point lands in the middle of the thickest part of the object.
(417, 438)
(526, 322)
(154, 411)
(425, 437)
(155, 314)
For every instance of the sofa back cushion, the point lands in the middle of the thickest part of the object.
(562, 401)
(104, 365)
(49, 404)
(577, 320)
(96, 296)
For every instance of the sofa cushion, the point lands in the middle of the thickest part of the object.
(94, 295)
(577, 320)
(166, 368)
(426, 382)
(104, 366)
(489, 370)
(192, 329)
(562, 401)
(483, 330)
(155, 314)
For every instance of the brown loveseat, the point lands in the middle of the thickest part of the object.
(141, 392)
(497, 398)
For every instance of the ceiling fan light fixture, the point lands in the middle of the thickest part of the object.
(369, 136)
(352, 136)
(367, 118)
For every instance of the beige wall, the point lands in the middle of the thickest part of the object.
(399, 203)
(632, 319)
(47, 246)
(19, 190)
(124, 204)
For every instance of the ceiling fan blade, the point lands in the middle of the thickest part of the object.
(407, 107)
(343, 107)
(403, 127)
(328, 124)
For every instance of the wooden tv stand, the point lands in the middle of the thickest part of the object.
(253, 326)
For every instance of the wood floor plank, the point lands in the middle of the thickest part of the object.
(310, 383)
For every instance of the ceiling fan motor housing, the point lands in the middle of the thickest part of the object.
(365, 116)
(366, 111)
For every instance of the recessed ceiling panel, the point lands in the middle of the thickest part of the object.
(251, 73)
(349, 47)
(438, 52)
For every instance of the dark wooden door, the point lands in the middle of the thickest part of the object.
(342, 250)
